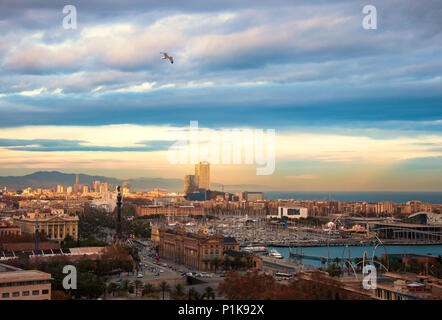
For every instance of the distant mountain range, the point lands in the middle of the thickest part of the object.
(50, 179)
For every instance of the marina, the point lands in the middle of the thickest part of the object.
(317, 256)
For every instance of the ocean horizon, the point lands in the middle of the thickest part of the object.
(358, 196)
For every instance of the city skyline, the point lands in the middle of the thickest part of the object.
(207, 152)
(353, 109)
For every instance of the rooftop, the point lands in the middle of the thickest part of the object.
(23, 275)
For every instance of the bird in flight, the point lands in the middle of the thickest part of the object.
(166, 56)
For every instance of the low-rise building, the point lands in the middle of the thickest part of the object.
(195, 250)
(55, 226)
(291, 212)
(169, 211)
(9, 230)
(17, 284)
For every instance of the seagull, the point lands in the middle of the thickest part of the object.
(166, 56)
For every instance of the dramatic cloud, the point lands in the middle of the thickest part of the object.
(305, 68)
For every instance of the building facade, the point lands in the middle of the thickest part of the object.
(252, 196)
(56, 227)
(9, 230)
(291, 212)
(17, 284)
(172, 211)
(202, 173)
(194, 250)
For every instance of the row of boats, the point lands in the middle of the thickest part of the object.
(263, 251)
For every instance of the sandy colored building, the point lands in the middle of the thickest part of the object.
(17, 284)
(195, 250)
(7, 229)
(55, 226)
(202, 174)
(172, 211)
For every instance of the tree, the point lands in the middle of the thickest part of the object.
(131, 287)
(178, 293)
(193, 294)
(334, 270)
(148, 288)
(209, 293)
(249, 286)
(150, 291)
(113, 287)
(59, 295)
(164, 286)
(216, 263)
(259, 286)
(68, 242)
(89, 285)
(138, 284)
(227, 262)
(125, 285)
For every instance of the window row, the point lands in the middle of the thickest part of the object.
(16, 294)
(23, 283)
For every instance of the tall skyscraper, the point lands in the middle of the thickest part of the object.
(103, 187)
(126, 187)
(202, 172)
(96, 186)
(77, 186)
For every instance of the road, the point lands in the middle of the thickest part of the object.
(150, 270)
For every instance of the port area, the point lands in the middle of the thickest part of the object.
(343, 242)
(273, 265)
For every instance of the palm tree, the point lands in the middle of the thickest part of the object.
(112, 288)
(193, 295)
(178, 293)
(164, 286)
(148, 288)
(138, 285)
(209, 293)
(125, 285)
(131, 287)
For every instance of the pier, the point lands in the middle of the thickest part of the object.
(279, 265)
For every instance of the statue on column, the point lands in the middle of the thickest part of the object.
(118, 236)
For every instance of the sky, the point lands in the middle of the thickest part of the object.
(352, 109)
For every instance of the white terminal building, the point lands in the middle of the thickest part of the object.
(108, 201)
(291, 212)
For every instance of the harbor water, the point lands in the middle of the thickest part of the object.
(356, 251)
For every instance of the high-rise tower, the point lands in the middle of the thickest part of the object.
(202, 173)
(77, 187)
